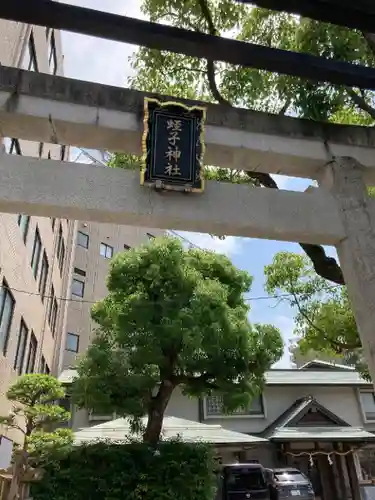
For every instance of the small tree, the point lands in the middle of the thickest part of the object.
(173, 318)
(34, 411)
(325, 323)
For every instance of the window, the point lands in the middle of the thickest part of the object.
(35, 257)
(52, 298)
(40, 152)
(67, 405)
(7, 304)
(21, 348)
(72, 342)
(33, 346)
(52, 57)
(43, 276)
(93, 415)
(60, 249)
(23, 222)
(82, 240)
(13, 147)
(81, 272)
(44, 368)
(62, 152)
(239, 480)
(368, 405)
(213, 408)
(78, 287)
(53, 316)
(29, 60)
(106, 251)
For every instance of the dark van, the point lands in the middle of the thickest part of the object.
(243, 482)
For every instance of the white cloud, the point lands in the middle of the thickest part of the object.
(229, 246)
(97, 60)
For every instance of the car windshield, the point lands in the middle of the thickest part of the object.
(290, 476)
(245, 479)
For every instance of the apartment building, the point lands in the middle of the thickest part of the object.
(35, 252)
(51, 270)
(95, 245)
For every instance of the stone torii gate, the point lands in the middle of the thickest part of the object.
(47, 108)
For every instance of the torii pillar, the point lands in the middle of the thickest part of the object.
(343, 177)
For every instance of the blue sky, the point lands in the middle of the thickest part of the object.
(106, 62)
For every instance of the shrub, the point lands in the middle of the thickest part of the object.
(131, 471)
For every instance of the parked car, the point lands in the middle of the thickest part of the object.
(289, 483)
(243, 482)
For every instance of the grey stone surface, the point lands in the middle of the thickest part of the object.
(126, 100)
(85, 192)
(357, 250)
(41, 107)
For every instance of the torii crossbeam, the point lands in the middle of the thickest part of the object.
(54, 109)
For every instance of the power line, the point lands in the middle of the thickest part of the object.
(246, 299)
(190, 243)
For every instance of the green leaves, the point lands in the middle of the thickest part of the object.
(34, 411)
(35, 388)
(173, 317)
(130, 471)
(45, 447)
(324, 319)
(181, 76)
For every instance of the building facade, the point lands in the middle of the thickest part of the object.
(35, 252)
(319, 419)
(95, 245)
(51, 270)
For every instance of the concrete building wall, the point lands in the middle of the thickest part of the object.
(43, 318)
(90, 269)
(39, 49)
(341, 401)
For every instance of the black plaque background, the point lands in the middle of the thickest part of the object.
(156, 144)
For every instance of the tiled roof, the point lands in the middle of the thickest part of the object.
(189, 431)
(286, 377)
(290, 417)
(319, 433)
(287, 426)
(315, 377)
(325, 365)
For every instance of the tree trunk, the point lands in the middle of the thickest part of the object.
(17, 474)
(156, 412)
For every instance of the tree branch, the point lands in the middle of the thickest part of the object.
(360, 102)
(337, 346)
(202, 379)
(370, 39)
(213, 85)
(208, 18)
(284, 109)
(325, 266)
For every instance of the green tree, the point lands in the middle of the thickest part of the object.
(324, 319)
(173, 318)
(187, 77)
(34, 413)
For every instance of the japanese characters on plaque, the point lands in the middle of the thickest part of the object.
(173, 145)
